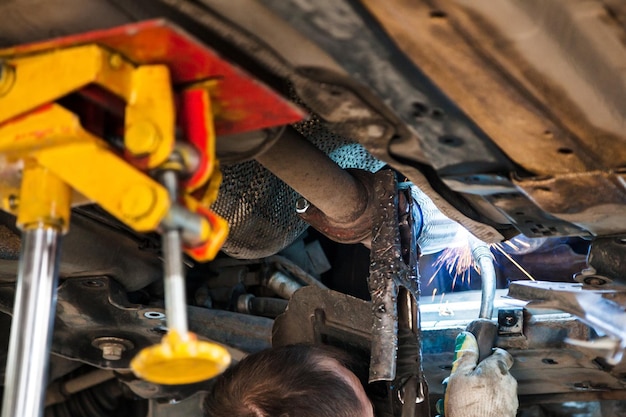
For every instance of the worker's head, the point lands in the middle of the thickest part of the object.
(290, 381)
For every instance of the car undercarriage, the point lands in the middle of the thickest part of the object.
(343, 130)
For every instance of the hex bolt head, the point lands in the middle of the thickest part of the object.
(112, 351)
(302, 205)
(142, 138)
(112, 347)
(137, 201)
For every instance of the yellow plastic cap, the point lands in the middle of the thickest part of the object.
(178, 360)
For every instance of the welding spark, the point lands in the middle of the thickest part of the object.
(512, 245)
(500, 249)
(458, 261)
(430, 281)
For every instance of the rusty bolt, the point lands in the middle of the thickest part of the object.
(112, 347)
(595, 280)
(510, 320)
(112, 351)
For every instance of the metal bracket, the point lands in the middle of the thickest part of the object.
(606, 262)
(394, 287)
(511, 322)
(597, 309)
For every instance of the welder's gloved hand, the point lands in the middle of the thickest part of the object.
(486, 389)
(438, 232)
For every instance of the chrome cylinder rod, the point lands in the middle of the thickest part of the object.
(174, 282)
(174, 274)
(32, 323)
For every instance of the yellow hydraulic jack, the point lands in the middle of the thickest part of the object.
(54, 155)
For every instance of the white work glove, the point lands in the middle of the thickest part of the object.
(486, 389)
(438, 232)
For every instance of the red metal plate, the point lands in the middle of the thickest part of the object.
(242, 102)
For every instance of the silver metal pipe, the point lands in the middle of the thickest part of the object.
(283, 285)
(32, 323)
(309, 171)
(261, 306)
(61, 390)
(484, 259)
(173, 270)
(295, 270)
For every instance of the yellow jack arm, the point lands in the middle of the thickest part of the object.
(55, 140)
(46, 76)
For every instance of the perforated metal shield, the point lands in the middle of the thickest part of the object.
(260, 208)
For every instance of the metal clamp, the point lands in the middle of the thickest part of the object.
(394, 288)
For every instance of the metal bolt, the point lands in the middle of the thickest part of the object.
(142, 138)
(302, 205)
(112, 347)
(282, 284)
(137, 201)
(510, 320)
(112, 351)
(596, 280)
(243, 303)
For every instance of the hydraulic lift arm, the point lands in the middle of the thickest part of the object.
(50, 161)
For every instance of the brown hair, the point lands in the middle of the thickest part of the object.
(284, 382)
